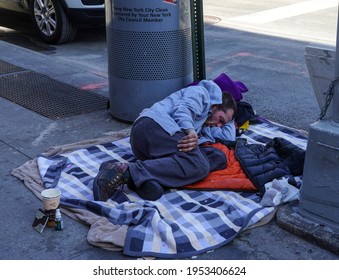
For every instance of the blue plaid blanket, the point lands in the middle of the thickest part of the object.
(182, 223)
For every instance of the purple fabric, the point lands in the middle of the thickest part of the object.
(236, 88)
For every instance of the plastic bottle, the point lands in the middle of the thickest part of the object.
(59, 223)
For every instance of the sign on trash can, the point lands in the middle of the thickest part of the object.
(149, 45)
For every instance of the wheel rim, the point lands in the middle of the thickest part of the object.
(45, 16)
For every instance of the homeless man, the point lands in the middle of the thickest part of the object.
(166, 140)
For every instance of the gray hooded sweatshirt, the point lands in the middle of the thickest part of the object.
(189, 108)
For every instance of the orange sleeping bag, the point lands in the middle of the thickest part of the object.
(231, 178)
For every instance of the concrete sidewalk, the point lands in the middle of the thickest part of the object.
(24, 134)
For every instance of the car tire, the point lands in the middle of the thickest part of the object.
(52, 22)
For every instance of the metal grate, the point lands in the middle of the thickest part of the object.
(6, 67)
(49, 97)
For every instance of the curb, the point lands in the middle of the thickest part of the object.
(288, 218)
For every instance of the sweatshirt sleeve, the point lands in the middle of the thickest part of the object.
(213, 134)
(225, 133)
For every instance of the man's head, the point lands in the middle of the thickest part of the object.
(223, 113)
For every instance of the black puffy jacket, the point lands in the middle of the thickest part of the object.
(263, 163)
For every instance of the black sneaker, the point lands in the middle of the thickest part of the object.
(110, 178)
(150, 190)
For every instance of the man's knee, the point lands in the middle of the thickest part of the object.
(197, 165)
(216, 158)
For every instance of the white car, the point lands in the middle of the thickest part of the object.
(56, 21)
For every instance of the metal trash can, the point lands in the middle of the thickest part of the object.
(149, 45)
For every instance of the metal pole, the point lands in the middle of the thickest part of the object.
(198, 44)
(319, 195)
(335, 100)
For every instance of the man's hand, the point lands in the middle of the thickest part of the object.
(188, 142)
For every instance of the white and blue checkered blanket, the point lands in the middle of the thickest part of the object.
(182, 223)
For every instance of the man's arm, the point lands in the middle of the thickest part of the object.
(191, 108)
(213, 134)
